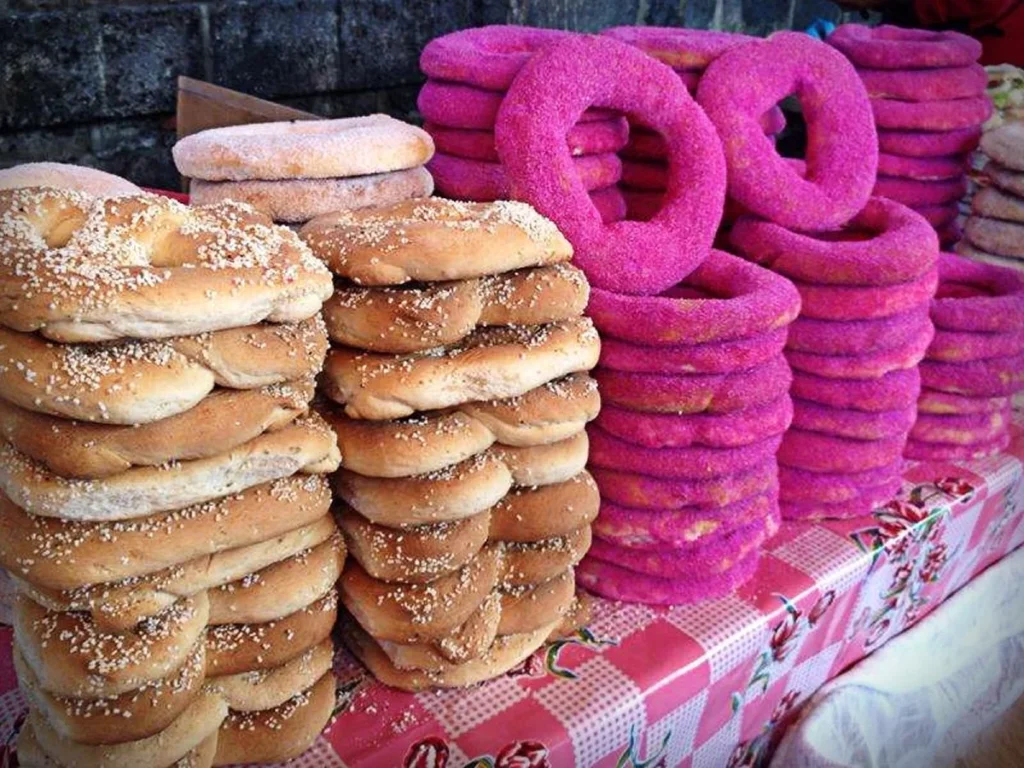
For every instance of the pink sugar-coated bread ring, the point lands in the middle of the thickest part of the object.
(638, 174)
(595, 138)
(644, 145)
(846, 302)
(950, 235)
(918, 193)
(697, 463)
(994, 377)
(892, 392)
(861, 505)
(931, 115)
(862, 254)
(852, 337)
(939, 216)
(730, 430)
(891, 47)
(658, 529)
(962, 429)
(641, 491)
(922, 168)
(1003, 238)
(929, 143)
(715, 357)
(610, 203)
(818, 452)
(745, 82)
(547, 98)
(920, 451)
(867, 364)
(937, 84)
(800, 485)
(613, 582)
(698, 393)
(678, 47)
(977, 297)
(936, 402)
(965, 346)
(642, 205)
(463, 179)
(855, 425)
(748, 301)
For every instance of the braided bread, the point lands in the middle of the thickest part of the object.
(533, 513)
(529, 607)
(269, 688)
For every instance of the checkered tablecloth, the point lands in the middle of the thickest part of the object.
(710, 685)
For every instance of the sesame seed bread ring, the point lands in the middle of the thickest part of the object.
(79, 268)
(490, 363)
(412, 555)
(307, 445)
(266, 689)
(296, 201)
(546, 464)
(234, 648)
(31, 755)
(534, 513)
(1004, 178)
(533, 562)
(129, 717)
(399, 320)
(993, 203)
(1004, 145)
(505, 654)
(524, 609)
(52, 644)
(278, 734)
(434, 240)
(414, 613)
(222, 420)
(63, 176)
(279, 589)
(1003, 238)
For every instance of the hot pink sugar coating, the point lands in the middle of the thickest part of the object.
(892, 392)
(679, 48)
(642, 491)
(964, 429)
(851, 337)
(818, 452)
(650, 176)
(916, 193)
(994, 377)
(861, 505)
(713, 357)
(921, 451)
(965, 346)
(891, 47)
(922, 168)
(977, 297)
(801, 485)
(867, 364)
(728, 430)
(939, 216)
(842, 154)
(547, 99)
(464, 179)
(642, 205)
(937, 84)
(583, 139)
(863, 253)
(855, 425)
(609, 203)
(934, 401)
(847, 302)
(929, 143)
(931, 115)
(725, 298)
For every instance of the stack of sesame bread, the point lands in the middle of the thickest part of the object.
(458, 391)
(163, 497)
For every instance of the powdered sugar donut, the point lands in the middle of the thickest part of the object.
(962, 429)
(934, 401)
(931, 115)
(977, 297)
(922, 168)
(728, 430)
(846, 422)
(475, 180)
(852, 337)
(891, 47)
(938, 84)
(547, 98)
(1003, 238)
(994, 377)
(748, 80)
(915, 449)
(847, 302)
(891, 392)
(63, 176)
(859, 506)
(594, 138)
(641, 491)
(866, 364)
(801, 485)
(714, 357)
(993, 203)
(929, 143)
(818, 452)
(920, 193)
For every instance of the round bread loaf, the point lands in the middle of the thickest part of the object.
(269, 688)
(534, 513)
(91, 181)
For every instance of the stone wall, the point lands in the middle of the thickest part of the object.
(93, 81)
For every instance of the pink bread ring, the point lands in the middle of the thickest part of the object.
(931, 115)
(642, 205)
(595, 138)
(939, 216)
(616, 583)
(856, 425)
(800, 485)
(657, 529)
(919, 193)
(644, 145)
(852, 337)
(844, 302)
(965, 346)
(748, 301)
(890, 47)
(938, 84)
(920, 451)
(701, 393)
(892, 392)
(818, 452)
(641, 491)
(860, 506)
(610, 452)
(679, 48)
(963, 429)
(610, 203)
(950, 235)
(714, 357)
(548, 97)
(730, 430)
(637, 174)
(746, 82)
(464, 179)
(934, 401)
(862, 255)
(977, 297)
(867, 364)
(994, 377)
(929, 143)
(921, 168)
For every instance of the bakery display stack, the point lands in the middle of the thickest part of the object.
(298, 170)
(457, 387)
(975, 364)
(468, 73)
(165, 507)
(928, 97)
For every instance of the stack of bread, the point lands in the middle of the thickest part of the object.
(459, 396)
(164, 503)
(296, 171)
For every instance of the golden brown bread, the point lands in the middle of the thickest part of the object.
(526, 608)
(31, 755)
(546, 464)
(539, 512)
(535, 562)
(268, 688)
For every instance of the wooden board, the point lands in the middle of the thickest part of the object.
(203, 105)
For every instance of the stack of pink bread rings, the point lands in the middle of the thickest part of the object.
(928, 96)
(975, 363)
(469, 72)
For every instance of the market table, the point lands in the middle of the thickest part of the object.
(705, 685)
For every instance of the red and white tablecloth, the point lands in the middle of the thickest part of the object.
(709, 685)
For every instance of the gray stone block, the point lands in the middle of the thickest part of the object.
(65, 144)
(139, 150)
(578, 15)
(762, 17)
(695, 14)
(806, 11)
